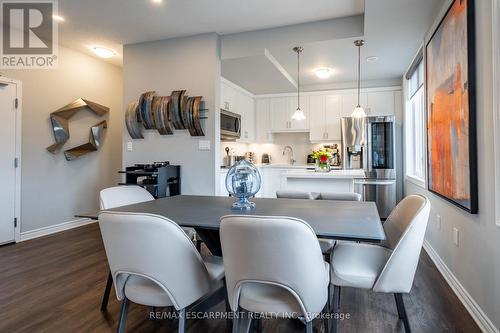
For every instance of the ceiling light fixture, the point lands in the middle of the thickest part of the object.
(157, 1)
(323, 73)
(103, 52)
(359, 112)
(372, 59)
(58, 18)
(298, 114)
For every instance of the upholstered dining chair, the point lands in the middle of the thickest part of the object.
(117, 196)
(283, 272)
(328, 244)
(141, 249)
(386, 268)
(291, 194)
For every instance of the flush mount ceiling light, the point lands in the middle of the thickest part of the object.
(103, 52)
(298, 114)
(58, 18)
(359, 112)
(372, 59)
(157, 1)
(323, 73)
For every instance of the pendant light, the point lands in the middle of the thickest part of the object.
(359, 112)
(298, 114)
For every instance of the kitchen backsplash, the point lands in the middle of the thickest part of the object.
(298, 141)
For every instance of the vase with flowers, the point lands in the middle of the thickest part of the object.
(322, 158)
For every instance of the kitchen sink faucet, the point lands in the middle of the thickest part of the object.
(291, 160)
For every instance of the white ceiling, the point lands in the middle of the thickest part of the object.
(112, 23)
(393, 31)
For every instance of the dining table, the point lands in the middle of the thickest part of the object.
(340, 220)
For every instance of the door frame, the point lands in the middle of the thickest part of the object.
(18, 143)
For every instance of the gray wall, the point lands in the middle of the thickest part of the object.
(476, 261)
(53, 189)
(191, 63)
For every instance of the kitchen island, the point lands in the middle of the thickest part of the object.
(311, 181)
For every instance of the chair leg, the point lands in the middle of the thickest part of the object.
(229, 322)
(326, 312)
(107, 290)
(242, 321)
(123, 316)
(182, 321)
(402, 311)
(309, 327)
(336, 307)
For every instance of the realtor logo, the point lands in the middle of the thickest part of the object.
(29, 35)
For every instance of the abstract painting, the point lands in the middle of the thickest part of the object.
(451, 116)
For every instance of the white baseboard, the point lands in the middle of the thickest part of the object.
(470, 304)
(52, 229)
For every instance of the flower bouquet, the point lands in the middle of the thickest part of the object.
(322, 158)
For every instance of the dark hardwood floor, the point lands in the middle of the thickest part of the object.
(55, 284)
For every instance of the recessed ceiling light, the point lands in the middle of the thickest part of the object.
(103, 52)
(323, 73)
(58, 18)
(372, 59)
(157, 1)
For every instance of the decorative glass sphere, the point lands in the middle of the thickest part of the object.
(243, 181)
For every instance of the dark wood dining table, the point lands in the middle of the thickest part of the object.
(341, 220)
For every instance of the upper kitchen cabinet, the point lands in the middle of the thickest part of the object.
(227, 97)
(325, 113)
(281, 111)
(238, 100)
(381, 103)
(246, 108)
(263, 121)
(350, 101)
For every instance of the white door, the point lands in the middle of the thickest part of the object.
(7, 168)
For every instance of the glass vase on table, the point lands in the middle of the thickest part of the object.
(322, 165)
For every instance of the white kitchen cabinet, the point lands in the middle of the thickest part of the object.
(263, 121)
(317, 126)
(279, 114)
(325, 113)
(271, 181)
(228, 97)
(246, 108)
(281, 111)
(222, 184)
(333, 113)
(381, 103)
(350, 101)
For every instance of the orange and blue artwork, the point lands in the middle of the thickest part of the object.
(450, 113)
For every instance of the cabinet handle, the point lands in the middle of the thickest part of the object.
(327, 135)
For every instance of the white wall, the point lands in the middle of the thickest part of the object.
(53, 189)
(476, 261)
(191, 63)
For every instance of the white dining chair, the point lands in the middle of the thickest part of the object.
(155, 263)
(328, 244)
(291, 194)
(386, 268)
(118, 196)
(273, 266)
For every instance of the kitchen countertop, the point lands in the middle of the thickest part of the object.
(349, 174)
(280, 166)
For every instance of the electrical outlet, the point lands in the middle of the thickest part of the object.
(130, 147)
(455, 236)
(438, 222)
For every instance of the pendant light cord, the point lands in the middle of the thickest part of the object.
(359, 73)
(298, 80)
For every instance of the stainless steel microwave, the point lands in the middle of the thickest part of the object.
(230, 125)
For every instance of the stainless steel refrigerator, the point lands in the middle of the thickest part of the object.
(369, 143)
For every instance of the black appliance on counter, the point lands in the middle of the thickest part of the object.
(159, 178)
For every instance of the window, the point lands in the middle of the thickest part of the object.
(415, 124)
